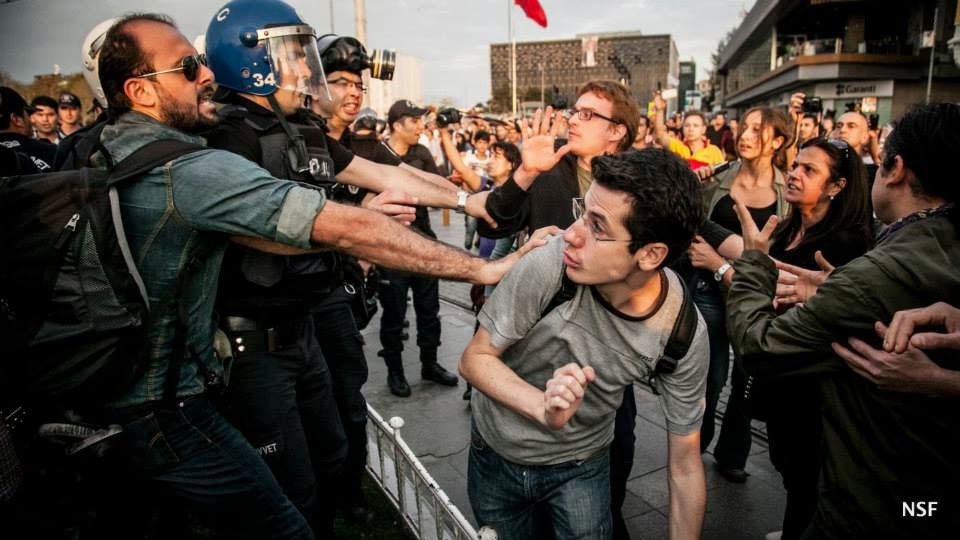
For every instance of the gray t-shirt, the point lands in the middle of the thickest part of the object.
(586, 330)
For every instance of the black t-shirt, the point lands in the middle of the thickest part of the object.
(724, 215)
(417, 156)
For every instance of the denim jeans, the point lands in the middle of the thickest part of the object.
(426, 304)
(734, 443)
(191, 450)
(469, 231)
(507, 496)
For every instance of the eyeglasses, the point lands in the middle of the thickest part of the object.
(586, 114)
(189, 65)
(579, 211)
(346, 84)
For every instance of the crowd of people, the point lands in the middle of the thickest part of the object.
(614, 250)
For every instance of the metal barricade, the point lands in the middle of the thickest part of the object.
(426, 509)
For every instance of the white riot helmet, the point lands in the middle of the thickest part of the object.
(90, 56)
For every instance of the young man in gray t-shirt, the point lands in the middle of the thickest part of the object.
(549, 384)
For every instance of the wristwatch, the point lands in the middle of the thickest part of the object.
(462, 201)
(718, 275)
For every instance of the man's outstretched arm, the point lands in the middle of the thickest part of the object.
(688, 488)
(376, 238)
(429, 189)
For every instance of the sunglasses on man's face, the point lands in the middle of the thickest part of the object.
(189, 65)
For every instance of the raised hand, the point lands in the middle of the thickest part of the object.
(753, 237)
(537, 150)
(564, 393)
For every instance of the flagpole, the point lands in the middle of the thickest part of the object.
(513, 58)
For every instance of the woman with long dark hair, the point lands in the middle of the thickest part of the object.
(829, 214)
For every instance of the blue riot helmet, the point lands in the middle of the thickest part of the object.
(345, 53)
(261, 46)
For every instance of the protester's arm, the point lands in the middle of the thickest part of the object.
(482, 367)
(688, 491)
(659, 123)
(437, 192)
(376, 238)
(796, 114)
(910, 371)
(509, 207)
(470, 178)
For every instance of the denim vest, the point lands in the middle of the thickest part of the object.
(201, 197)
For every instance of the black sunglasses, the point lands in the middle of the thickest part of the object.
(189, 65)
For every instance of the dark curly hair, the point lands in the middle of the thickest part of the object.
(666, 202)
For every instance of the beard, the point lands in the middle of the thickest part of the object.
(190, 118)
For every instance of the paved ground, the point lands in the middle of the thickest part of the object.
(437, 429)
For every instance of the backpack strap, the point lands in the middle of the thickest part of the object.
(150, 156)
(681, 337)
(568, 289)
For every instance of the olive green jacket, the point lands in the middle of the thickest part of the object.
(881, 448)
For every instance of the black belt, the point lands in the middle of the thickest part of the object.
(253, 336)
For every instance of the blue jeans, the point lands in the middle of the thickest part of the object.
(734, 443)
(507, 497)
(191, 450)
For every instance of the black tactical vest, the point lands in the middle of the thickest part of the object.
(290, 279)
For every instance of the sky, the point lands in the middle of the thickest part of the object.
(451, 37)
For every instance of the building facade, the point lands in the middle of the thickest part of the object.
(557, 68)
(865, 55)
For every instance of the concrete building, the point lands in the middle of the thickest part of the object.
(868, 55)
(557, 68)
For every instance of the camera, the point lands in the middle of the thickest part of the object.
(348, 54)
(812, 105)
(448, 116)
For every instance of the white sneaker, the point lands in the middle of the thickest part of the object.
(775, 535)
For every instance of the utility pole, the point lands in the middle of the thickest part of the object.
(933, 52)
(513, 58)
(360, 20)
(332, 31)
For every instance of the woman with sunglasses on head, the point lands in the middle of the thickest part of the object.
(829, 215)
(756, 180)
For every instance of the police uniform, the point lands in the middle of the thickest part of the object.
(283, 386)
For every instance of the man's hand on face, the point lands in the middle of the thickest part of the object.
(564, 393)
(395, 204)
(538, 146)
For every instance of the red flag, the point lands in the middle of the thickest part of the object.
(533, 10)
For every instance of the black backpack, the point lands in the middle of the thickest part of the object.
(681, 336)
(73, 307)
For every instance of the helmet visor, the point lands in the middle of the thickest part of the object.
(296, 62)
